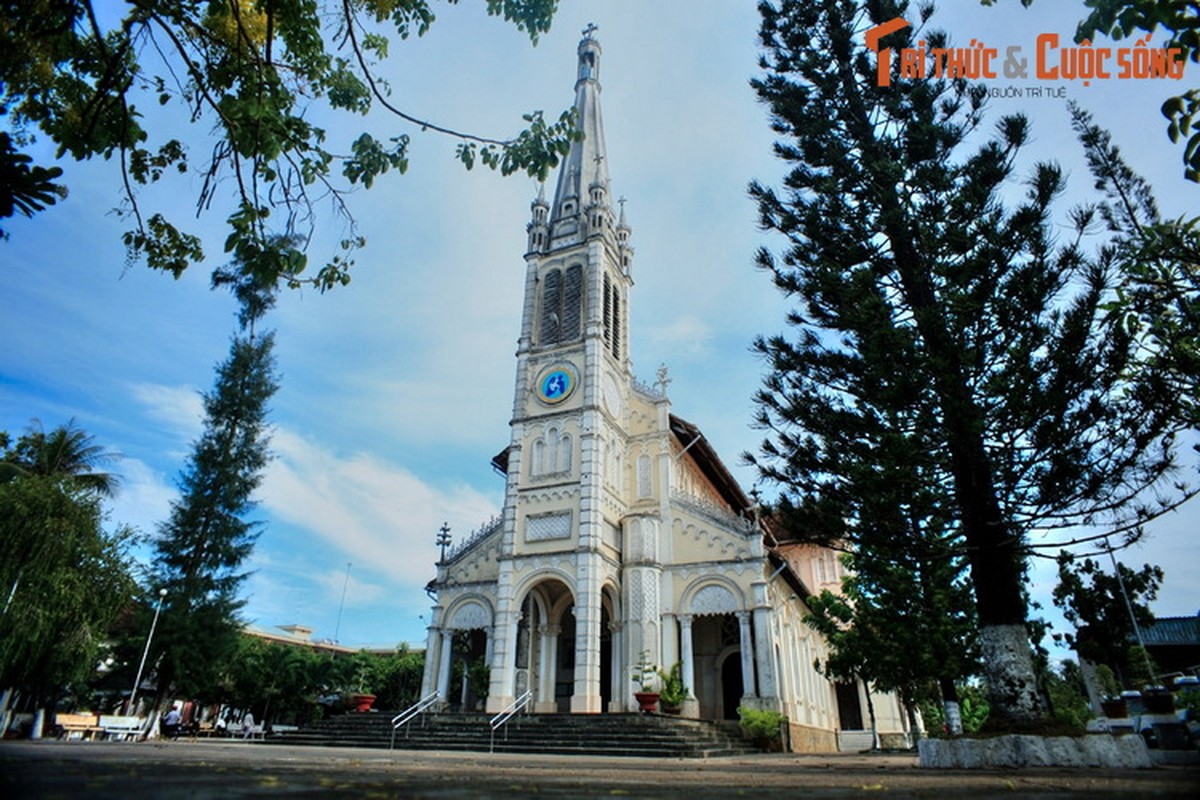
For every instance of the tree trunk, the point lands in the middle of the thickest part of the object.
(950, 708)
(39, 721)
(871, 713)
(1012, 683)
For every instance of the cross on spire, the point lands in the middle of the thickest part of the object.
(589, 30)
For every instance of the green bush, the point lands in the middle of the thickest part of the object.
(673, 691)
(760, 725)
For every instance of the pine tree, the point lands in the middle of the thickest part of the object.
(202, 546)
(937, 322)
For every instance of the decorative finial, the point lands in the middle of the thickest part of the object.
(663, 381)
(589, 30)
(443, 540)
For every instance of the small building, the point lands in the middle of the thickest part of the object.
(623, 536)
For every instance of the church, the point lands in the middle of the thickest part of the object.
(624, 539)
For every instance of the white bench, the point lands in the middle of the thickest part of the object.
(122, 728)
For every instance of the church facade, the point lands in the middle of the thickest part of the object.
(623, 537)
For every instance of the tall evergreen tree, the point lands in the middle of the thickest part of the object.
(930, 307)
(202, 546)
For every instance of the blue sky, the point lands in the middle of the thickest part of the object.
(396, 390)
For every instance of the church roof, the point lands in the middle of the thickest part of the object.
(1172, 631)
(710, 464)
(586, 164)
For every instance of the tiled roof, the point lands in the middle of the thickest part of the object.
(1172, 631)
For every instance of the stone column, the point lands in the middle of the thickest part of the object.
(586, 698)
(429, 675)
(617, 669)
(444, 665)
(503, 659)
(764, 654)
(749, 688)
(688, 660)
(643, 588)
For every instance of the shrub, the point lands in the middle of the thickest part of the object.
(761, 726)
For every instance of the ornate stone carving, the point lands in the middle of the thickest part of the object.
(713, 599)
(548, 526)
(470, 616)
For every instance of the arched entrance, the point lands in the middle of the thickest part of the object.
(469, 681)
(460, 654)
(545, 652)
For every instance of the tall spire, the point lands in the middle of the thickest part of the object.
(583, 178)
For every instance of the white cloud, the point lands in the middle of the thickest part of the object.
(144, 498)
(180, 408)
(378, 515)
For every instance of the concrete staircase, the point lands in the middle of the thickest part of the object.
(653, 735)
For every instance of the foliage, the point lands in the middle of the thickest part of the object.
(200, 548)
(973, 707)
(25, 189)
(260, 76)
(1121, 19)
(645, 672)
(1068, 695)
(673, 692)
(1107, 681)
(65, 451)
(398, 681)
(479, 677)
(291, 684)
(275, 681)
(903, 620)
(1189, 700)
(1158, 299)
(935, 317)
(1094, 602)
(64, 579)
(761, 725)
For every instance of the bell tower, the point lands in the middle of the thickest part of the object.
(573, 377)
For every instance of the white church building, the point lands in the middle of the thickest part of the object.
(623, 536)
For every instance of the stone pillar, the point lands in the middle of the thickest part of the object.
(688, 660)
(691, 705)
(617, 669)
(764, 655)
(749, 687)
(429, 675)
(503, 658)
(443, 688)
(643, 585)
(586, 698)
(547, 668)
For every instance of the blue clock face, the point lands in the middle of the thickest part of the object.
(556, 385)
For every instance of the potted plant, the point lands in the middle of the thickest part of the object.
(673, 692)
(644, 675)
(361, 698)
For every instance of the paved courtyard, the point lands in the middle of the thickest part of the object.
(233, 769)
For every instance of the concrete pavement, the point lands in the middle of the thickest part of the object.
(51, 769)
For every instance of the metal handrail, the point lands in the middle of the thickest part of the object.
(511, 710)
(407, 715)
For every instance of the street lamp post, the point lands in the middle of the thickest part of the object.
(138, 680)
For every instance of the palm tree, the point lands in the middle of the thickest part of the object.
(66, 451)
